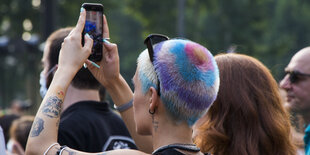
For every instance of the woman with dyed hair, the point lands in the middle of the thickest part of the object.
(176, 81)
(247, 116)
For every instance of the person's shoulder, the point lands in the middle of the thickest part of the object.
(86, 106)
(81, 114)
(83, 108)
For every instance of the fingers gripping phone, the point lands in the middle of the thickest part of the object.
(93, 26)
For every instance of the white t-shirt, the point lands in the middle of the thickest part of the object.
(2, 142)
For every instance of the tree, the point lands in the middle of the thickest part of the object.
(269, 30)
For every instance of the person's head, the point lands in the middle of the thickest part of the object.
(296, 83)
(188, 81)
(20, 129)
(82, 80)
(247, 117)
(18, 107)
(6, 123)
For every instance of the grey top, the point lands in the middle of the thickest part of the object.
(2, 142)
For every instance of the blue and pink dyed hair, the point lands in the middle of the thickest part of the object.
(188, 75)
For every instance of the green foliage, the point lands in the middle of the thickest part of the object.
(269, 30)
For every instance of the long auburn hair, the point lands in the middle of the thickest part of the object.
(247, 116)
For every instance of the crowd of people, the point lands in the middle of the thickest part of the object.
(185, 101)
(15, 126)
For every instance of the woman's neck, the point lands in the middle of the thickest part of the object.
(166, 132)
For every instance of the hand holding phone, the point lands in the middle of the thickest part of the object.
(94, 27)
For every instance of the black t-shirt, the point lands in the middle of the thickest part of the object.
(91, 126)
(171, 151)
(175, 149)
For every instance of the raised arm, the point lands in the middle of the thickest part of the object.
(43, 135)
(109, 76)
(72, 56)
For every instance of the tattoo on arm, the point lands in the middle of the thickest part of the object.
(37, 127)
(52, 107)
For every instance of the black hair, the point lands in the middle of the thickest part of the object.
(83, 79)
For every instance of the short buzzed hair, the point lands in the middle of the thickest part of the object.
(188, 75)
(83, 79)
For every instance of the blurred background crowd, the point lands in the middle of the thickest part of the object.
(269, 30)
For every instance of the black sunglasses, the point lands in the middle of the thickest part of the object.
(296, 76)
(149, 41)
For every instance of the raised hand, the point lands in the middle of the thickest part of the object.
(73, 54)
(109, 76)
(109, 65)
(71, 58)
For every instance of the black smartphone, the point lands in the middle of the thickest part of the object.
(93, 26)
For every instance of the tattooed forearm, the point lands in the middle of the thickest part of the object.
(52, 107)
(37, 127)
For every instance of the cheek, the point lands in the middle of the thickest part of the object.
(141, 117)
(307, 88)
(136, 102)
(137, 110)
(45, 70)
(303, 91)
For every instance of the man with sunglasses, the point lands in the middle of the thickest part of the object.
(296, 83)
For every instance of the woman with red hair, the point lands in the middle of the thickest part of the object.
(247, 117)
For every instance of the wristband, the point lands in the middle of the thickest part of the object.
(46, 151)
(124, 107)
(62, 148)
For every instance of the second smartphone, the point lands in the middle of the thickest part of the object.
(93, 26)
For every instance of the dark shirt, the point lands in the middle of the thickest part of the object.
(171, 151)
(174, 149)
(91, 126)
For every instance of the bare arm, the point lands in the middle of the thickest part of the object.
(109, 76)
(45, 127)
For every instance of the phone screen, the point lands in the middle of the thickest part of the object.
(93, 26)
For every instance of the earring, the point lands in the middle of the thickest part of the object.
(151, 112)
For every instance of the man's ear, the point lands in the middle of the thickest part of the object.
(153, 99)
